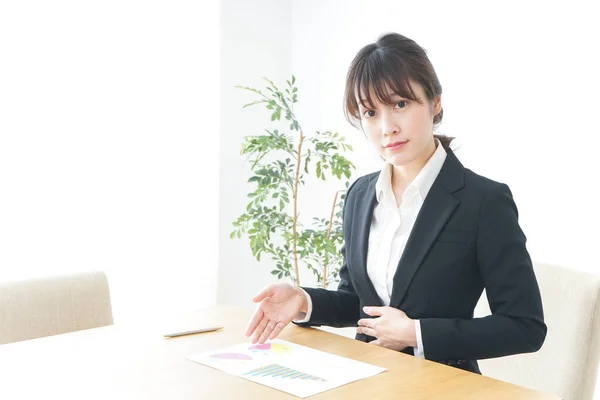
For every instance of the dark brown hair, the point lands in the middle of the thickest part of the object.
(390, 63)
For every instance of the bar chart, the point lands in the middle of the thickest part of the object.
(279, 371)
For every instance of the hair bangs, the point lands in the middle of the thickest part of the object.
(377, 76)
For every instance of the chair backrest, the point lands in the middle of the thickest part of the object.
(567, 363)
(48, 306)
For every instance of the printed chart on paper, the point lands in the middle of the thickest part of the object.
(291, 368)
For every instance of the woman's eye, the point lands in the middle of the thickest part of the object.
(369, 113)
(401, 104)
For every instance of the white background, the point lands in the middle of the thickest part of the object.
(109, 121)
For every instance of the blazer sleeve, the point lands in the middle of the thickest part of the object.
(517, 321)
(338, 308)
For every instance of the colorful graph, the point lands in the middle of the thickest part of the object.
(279, 371)
(273, 347)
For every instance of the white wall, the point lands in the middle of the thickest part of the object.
(108, 138)
(255, 43)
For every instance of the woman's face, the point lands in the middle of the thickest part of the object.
(402, 132)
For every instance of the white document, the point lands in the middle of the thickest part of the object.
(291, 368)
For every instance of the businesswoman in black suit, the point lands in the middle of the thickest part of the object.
(422, 237)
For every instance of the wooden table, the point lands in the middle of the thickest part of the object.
(136, 362)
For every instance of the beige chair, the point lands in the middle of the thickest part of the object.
(567, 364)
(31, 309)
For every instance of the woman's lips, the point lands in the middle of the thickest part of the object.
(396, 145)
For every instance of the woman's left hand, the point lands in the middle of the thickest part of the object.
(393, 329)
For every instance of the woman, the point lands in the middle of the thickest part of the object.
(422, 238)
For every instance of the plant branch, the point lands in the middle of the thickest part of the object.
(297, 179)
(331, 215)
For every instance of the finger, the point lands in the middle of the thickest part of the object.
(366, 331)
(266, 292)
(368, 322)
(374, 311)
(265, 335)
(375, 342)
(278, 328)
(256, 318)
(259, 330)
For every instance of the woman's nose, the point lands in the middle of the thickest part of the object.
(389, 126)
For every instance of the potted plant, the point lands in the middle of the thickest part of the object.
(281, 165)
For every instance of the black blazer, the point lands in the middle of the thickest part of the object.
(465, 238)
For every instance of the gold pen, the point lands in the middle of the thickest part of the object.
(192, 332)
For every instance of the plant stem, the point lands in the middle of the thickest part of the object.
(324, 283)
(295, 224)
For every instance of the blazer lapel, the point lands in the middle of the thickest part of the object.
(363, 210)
(437, 209)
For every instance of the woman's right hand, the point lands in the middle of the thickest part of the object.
(280, 303)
